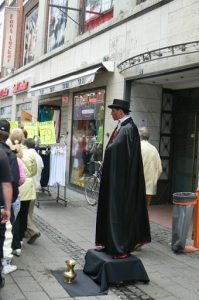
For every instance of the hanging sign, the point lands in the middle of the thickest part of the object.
(10, 37)
(47, 133)
(32, 129)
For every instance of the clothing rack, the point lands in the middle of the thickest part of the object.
(47, 188)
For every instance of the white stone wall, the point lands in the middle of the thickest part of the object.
(146, 108)
(157, 28)
(172, 23)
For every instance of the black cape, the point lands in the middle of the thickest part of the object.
(122, 216)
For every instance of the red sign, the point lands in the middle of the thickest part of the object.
(65, 99)
(20, 87)
(4, 93)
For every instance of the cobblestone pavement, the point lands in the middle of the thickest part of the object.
(78, 254)
(68, 232)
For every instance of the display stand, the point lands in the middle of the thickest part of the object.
(105, 270)
(47, 189)
(57, 199)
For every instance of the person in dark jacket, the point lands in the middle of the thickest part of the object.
(15, 176)
(5, 202)
(12, 158)
(122, 218)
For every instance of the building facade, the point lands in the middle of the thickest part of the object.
(72, 60)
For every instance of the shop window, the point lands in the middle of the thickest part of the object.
(6, 112)
(104, 8)
(87, 135)
(50, 113)
(57, 22)
(30, 36)
(22, 109)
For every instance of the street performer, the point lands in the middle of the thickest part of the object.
(122, 218)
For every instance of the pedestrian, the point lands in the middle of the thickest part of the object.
(122, 217)
(32, 230)
(15, 177)
(8, 267)
(27, 192)
(5, 202)
(151, 163)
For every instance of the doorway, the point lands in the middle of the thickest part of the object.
(184, 163)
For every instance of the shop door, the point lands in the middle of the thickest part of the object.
(185, 151)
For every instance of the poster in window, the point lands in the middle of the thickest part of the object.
(30, 36)
(57, 24)
(99, 6)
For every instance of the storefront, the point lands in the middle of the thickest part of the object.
(87, 134)
(77, 103)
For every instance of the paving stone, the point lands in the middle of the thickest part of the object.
(71, 235)
(11, 292)
(36, 296)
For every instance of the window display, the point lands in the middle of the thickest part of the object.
(104, 7)
(57, 24)
(6, 112)
(87, 135)
(23, 108)
(50, 113)
(99, 6)
(30, 36)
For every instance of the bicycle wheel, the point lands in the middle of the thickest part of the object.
(92, 190)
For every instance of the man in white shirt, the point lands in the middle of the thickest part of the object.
(151, 163)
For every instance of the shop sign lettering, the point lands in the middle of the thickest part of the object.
(52, 89)
(10, 37)
(20, 87)
(65, 85)
(81, 81)
(4, 93)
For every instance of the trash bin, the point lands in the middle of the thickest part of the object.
(182, 215)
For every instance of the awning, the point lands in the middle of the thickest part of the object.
(67, 82)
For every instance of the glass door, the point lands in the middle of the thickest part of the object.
(185, 152)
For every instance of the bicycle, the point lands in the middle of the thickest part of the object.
(92, 184)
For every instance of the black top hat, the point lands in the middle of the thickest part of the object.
(4, 125)
(118, 103)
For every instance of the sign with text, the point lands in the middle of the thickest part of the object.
(32, 129)
(47, 133)
(20, 87)
(10, 37)
(4, 93)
